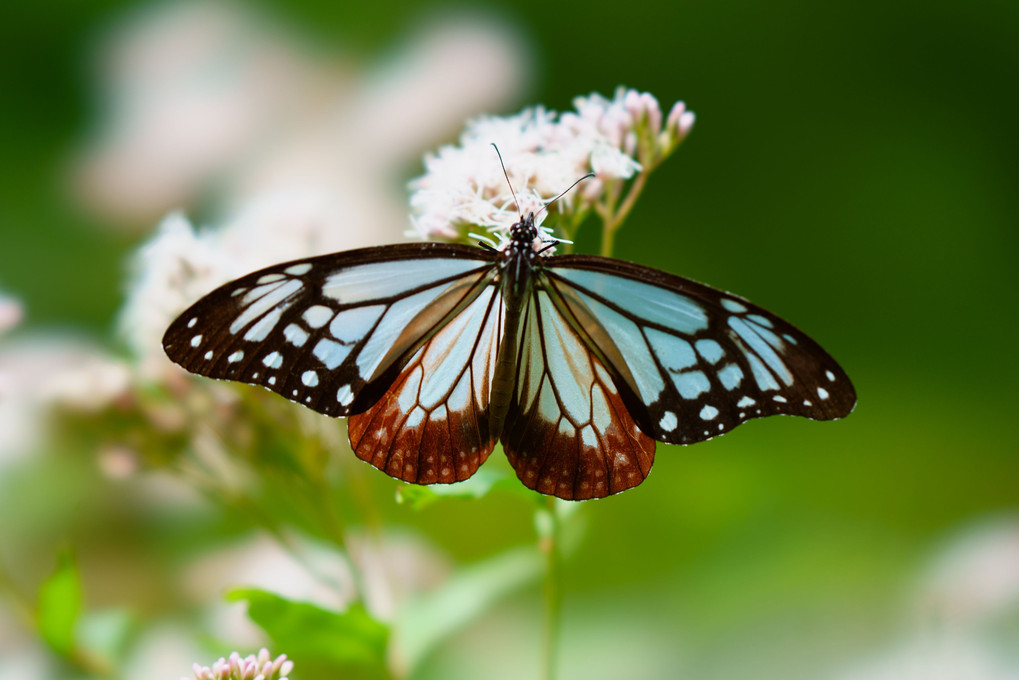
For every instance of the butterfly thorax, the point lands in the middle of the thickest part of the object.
(517, 278)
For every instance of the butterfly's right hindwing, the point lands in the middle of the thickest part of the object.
(329, 332)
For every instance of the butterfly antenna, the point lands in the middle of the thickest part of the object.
(506, 175)
(545, 207)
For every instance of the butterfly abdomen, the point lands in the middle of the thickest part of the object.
(516, 287)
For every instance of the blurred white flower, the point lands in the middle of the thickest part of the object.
(201, 95)
(11, 313)
(544, 153)
(960, 623)
(975, 577)
(936, 657)
(170, 272)
(39, 373)
(251, 667)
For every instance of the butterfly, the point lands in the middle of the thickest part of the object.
(577, 363)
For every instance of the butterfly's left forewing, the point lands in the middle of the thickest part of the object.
(330, 332)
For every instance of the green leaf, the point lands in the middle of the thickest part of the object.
(311, 634)
(59, 606)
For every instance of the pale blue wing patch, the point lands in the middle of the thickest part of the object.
(391, 279)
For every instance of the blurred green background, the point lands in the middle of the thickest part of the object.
(854, 167)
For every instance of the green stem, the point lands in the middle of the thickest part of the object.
(553, 594)
(615, 219)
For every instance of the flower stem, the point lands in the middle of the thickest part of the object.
(549, 544)
(613, 221)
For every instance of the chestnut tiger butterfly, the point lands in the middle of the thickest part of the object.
(577, 363)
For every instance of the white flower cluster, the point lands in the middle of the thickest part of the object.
(544, 153)
(181, 263)
(261, 667)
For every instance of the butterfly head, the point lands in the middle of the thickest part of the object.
(527, 237)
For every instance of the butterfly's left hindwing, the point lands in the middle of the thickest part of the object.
(692, 362)
(330, 332)
(432, 425)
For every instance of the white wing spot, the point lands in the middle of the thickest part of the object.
(344, 395)
(807, 402)
(730, 376)
(760, 320)
(208, 355)
(668, 421)
(821, 392)
(330, 353)
(830, 376)
(299, 269)
(620, 459)
(709, 413)
(309, 378)
(273, 360)
(239, 291)
(236, 356)
(194, 320)
(254, 375)
(416, 417)
(692, 384)
(788, 338)
(721, 426)
(779, 398)
(710, 350)
(197, 340)
(270, 278)
(733, 306)
(744, 402)
(317, 315)
(272, 380)
(293, 393)
(295, 335)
